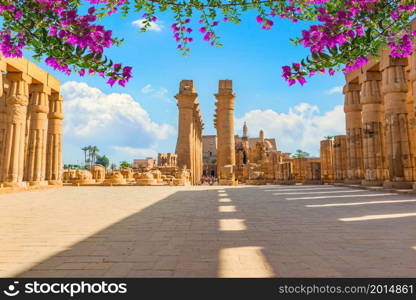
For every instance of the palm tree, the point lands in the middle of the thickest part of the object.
(300, 154)
(89, 154)
(94, 150)
(85, 149)
(328, 137)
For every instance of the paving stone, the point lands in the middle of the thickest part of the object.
(190, 232)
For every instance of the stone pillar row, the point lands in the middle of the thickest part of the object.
(30, 132)
(379, 147)
(189, 143)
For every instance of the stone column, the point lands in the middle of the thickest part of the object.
(184, 146)
(340, 158)
(374, 156)
(412, 88)
(17, 100)
(225, 132)
(54, 140)
(352, 109)
(36, 150)
(399, 150)
(327, 166)
(3, 121)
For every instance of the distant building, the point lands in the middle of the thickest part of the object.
(167, 159)
(146, 163)
(247, 150)
(209, 155)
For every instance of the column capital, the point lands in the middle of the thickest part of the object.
(371, 75)
(351, 87)
(186, 101)
(352, 97)
(187, 95)
(19, 76)
(55, 107)
(40, 88)
(3, 65)
(371, 93)
(388, 61)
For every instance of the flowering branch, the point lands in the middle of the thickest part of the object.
(342, 34)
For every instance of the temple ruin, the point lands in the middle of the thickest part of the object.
(31, 114)
(380, 122)
(189, 144)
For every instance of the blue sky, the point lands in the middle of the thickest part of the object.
(298, 117)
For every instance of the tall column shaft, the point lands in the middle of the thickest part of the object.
(352, 108)
(412, 81)
(3, 123)
(327, 166)
(399, 149)
(189, 130)
(54, 140)
(17, 101)
(36, 150)
(375, 166)
(225, 127)
(340, 158)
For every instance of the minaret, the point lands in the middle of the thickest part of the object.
(261, 135)
(245, 131)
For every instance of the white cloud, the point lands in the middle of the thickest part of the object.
(154, 26)
(159, 93)
(334, 90)
(108, 120)
(147, 89)
(303, 127)
(136, 152)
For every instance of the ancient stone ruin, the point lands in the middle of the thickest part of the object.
(30, 125)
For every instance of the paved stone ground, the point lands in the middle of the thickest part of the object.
(284, 231)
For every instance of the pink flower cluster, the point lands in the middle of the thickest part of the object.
(264, 22)
(208, 31)
(11, 44)
(78, 31)
(181, 33)
(340, 28)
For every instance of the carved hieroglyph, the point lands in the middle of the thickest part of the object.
(399, 148)
(352, 109)
(54, 140)
(17, 101)
(36, 149)
(374, 156)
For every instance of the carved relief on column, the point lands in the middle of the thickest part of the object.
(4, 87)
(399, 150)
(352, 109)
(36, 149)
(375, 165)
(17, 100)
(327, 165)
(340, 158)
(54, 140)
(187, 97)
(225, 132)
(412, 94)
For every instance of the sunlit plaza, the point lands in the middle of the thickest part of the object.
(208, 231)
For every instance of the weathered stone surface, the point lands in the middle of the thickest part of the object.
(189, 143)
(224, 123)
(352, 108)
(327, 164)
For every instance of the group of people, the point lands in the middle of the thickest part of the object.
(208, 180)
